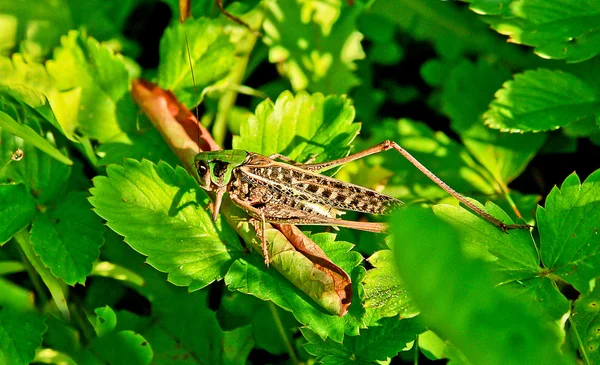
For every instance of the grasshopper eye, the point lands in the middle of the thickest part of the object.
(202, 168)
(203, 174)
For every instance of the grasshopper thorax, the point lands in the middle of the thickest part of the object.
(214, 168)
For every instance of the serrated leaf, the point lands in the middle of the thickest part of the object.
(124, 347)
(249, 275)
(96, 80)
(458, 297)
(586, 326)
(147, 145)
(20, 335)
(529, 104)
(212, 57)
(315, 44)
(300, 127)
(17, 210)
(572, 34)
(569, 225)
(384, 289)
(68, 238)
(161, 212)
(514, 258)
(376, 343)
(36, 88)
(467, 91)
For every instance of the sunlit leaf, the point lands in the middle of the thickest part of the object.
(527, 104)
(569, 224)
(212, 56)
(300, 127)
(572, 33)
(308, 40)
(162, 213)
(374, 344)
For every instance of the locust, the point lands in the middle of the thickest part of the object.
(276, 189)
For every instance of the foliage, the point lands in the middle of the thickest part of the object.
(108, 250)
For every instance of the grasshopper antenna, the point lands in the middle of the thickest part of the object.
(184, 14)
(234, 18)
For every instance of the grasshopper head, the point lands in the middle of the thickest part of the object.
(214, 168)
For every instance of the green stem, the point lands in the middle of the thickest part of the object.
(283, 333)
(35, 280)
(581, 347)
(416, 346)
(52, 283)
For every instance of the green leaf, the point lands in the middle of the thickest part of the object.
(106, 321)
(17, 210)
(453, 30)
(188, 328)
(27, 86)
(15, 296)
(146, 144)
(116, 272)
(45, 177)
(315, 44)
(586, 326)
(438, 152)
(300, 127)
(467, 91)
(513, 257)
(569, 231)
(97, 80)
(376, 343)
(571, 34)
(273, 328)
(20, 335)
(212, 57)
(68, 238)
(124, 347)
(9, 125)
(457, 296)
(162, 214)
(34, 34)
(384, 289)
(237, 310)
(104, 20)
(249, 275)
(528, 104)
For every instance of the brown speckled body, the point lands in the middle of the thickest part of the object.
(289, 194)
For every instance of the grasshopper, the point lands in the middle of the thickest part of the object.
(293, 193)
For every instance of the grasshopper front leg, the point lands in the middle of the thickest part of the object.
(388, 145)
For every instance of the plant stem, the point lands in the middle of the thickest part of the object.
(581, 347)
(52, 283)
(284, 335)
(35, 280)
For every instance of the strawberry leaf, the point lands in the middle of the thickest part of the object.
(162, 214)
